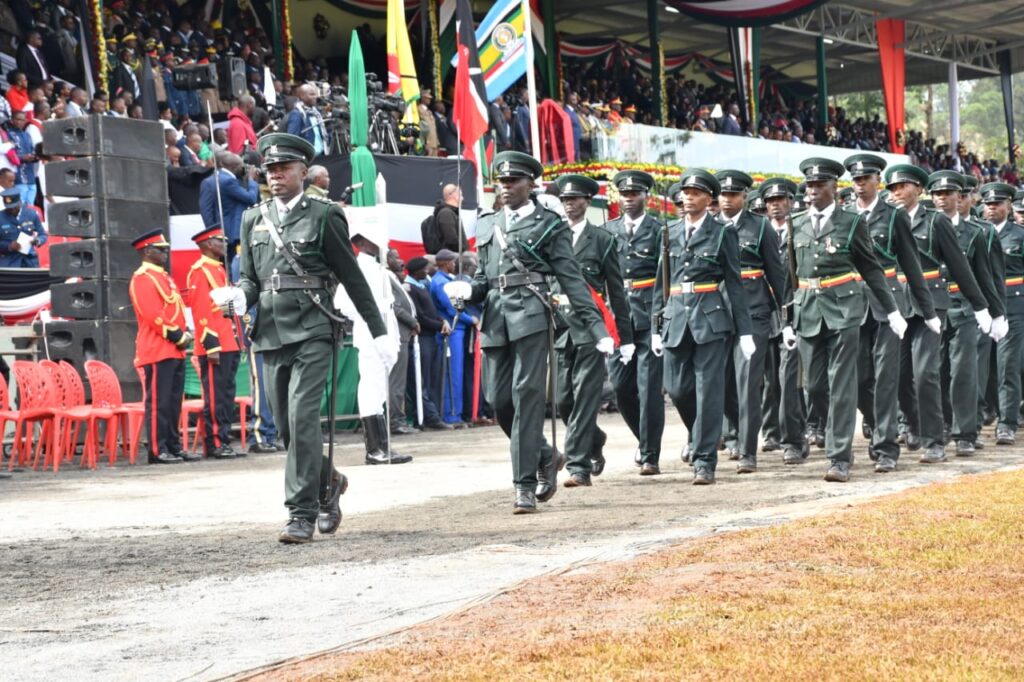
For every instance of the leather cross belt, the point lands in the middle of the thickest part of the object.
(515, 279)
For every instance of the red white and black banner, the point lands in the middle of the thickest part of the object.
(744, 12)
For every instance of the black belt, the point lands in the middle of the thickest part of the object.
(516, 279)
(281, 282)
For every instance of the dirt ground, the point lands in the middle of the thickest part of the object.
(174, 572)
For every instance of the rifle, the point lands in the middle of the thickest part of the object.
(666, 267)
(787, 307)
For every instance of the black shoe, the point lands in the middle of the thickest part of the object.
(885, 464)
(933, 455)
(297, 531)
(381, 457)
(872, 453)
(438, 426)
(404, 430)
(964, 448)
(281, 447)
(913, 442)
(734, 454)
(703, 474)
(638, 459)
(793, 455)
(547, 476)
(165, 458)
(839, 472)
(329, 518)
(5, 474)
(649, 469)
(771, 445)
(378, 449)
(979, 444)
(866, 430)
(526, 502)
(746, 465)
(989, 418)
(238, 453)
(577, 480)
(597, 460)
(902, 438)
(459, 425)
(223, 452)
(262, 448)
(1004, 436)
(819, 439)
(684, 455)
(186, 456)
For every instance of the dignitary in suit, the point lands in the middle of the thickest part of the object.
(581, 367)
(408, 326)
(636, 374)
(704, 307)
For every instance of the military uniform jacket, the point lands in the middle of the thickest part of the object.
(1011, 237)
(11, 227)
(316, 234)
(597, 253)
(840, 251)
(542, 242)
(939, 249)
(975, 249)
(160, 312)
(764, 279)
(996, 258)
(214, 332)
(709, 264)
(893, 242)
(638, 263)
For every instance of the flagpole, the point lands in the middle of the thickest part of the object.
(531, 79)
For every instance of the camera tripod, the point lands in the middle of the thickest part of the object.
(381, 136)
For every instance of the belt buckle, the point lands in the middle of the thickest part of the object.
(814, 282)
(628, 284)
(502, 282)
(275, 282)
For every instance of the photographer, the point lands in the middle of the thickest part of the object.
(238, 191)
(305, 120)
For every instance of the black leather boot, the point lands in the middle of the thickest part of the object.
(375, 431)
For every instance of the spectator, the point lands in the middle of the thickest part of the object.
(571, 102)
(238, 191)
(190, 150)
(98, 106)
(77, 103)
(123, 80)
(500, 130)
(118, 108)
(428, 129)
(31, 60)
(67, 43)
(432, 327)
(446, 137)
(241, 135)
(319, 182)
(731, 122)
(405, 313)
(21, 232)
(17, 93)
(445, 230)
(174, 157)
(6, 176)
(305, 121)
(24, 154)
(452, 359)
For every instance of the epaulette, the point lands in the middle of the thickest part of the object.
(320, 199)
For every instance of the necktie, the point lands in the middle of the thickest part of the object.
(629, 227)
(816, 217)
(283, 210)
(689, 232)
(513, 219)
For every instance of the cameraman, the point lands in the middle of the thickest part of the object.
(305, 121)
(238, 191)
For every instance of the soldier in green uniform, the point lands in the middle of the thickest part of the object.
(894, 247)
(705, 306)
(920, 393)
(832, 247)
(764, 288)
(638, 381)
(581, 367)
(960, 333)
(521, 246)
(1018, 207)
(996, 197)
(293, 331)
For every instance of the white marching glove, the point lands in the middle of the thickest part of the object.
(788, 337)
(626, 352)
(230, 300)
(387, 351)
(984, 320)
(657, 347)
(935, 324)
(1000, 328)
(606, 345)
(458, 291)
(747, 346)
(897, 324)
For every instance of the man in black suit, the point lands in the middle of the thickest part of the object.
(417, 284)
(405, 312)
(500, 128)
(31, 60)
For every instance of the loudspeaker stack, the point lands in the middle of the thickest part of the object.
(119, 182)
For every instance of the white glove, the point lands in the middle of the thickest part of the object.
(935, 324)
(897, 324)
(788, 338)
(230, 300)
(657, 347)
(1000, 328)
(458, 290)
(747, 346)
(606, 345)
(387, 351)
(984, 320)
(626, 352)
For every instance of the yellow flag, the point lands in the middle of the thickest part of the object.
(402, 79)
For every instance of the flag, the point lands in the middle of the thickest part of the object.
(402, 79)
(364, 169)
(469, 111)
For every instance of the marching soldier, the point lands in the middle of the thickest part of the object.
(960, 335)
(1018, 207)
(784, 410)
(996, 197)
(160, 347)
(295, 249)
(637, 378)
(698, 320)
(832, 247)
(216, 342)
(764, 287)
(581, 367)
(521, 246)
(894, 248)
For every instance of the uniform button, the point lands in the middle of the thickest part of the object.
(815, 255)
(628, 270)
(815, 268)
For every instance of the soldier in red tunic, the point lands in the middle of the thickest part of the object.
(216, 343)
(160, 347)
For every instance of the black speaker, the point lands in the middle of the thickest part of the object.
(104, 136)
(231, 78)
(94, 258)
(194, 77)
(118, 218)
(111, 342)
(92, 300)
(108, 177)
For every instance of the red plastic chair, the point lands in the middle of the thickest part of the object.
(70, 397)
(35, 398)
(106, 393)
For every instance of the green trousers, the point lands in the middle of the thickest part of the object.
(783, 404)
(834, 386)
(878, 379)
(581, 373)
(694, 379)
(1008, 359)
(638, 395)
(960, 369)
(920, 391)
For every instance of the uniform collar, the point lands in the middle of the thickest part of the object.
(826, 213)
(212, 261)
(913, 212)
(696, 225)
(870, 209)
(147, 266)
(1000, 226)
(290, 205)
(523, 211)
(735, 220)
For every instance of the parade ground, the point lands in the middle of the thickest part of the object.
(174, 572)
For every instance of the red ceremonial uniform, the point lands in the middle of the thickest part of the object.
(161, 315)
(214, 332)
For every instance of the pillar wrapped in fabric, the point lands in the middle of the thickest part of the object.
(891, 36)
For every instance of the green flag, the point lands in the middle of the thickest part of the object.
(364, 169)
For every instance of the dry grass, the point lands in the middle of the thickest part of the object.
(924, 585)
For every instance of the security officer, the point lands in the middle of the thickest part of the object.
(996, 197)
(216, 342)
(764, 288)
(293, 329)
(160, 347)
(581, 368)
(784, 409)
(832, 247)
(920, 393)
(889, 230)
(521, 246)
(16, 221)
(697, 320)
(638, 380)
(960, 335)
